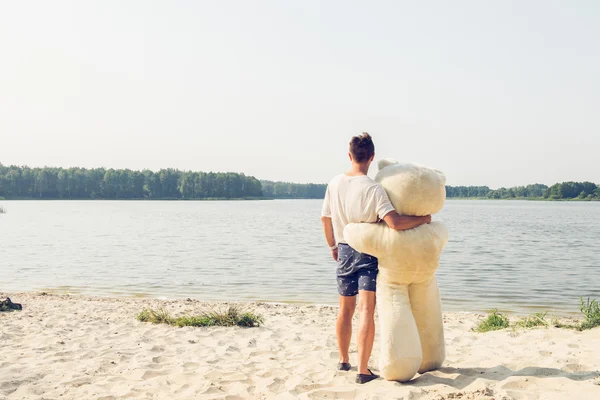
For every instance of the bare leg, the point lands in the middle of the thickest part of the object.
(343, 326)
(366, 329)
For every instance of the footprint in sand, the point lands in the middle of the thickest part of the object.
(517, 384)
(234, 377)
(80, 381)
(190, 365)
(153, 374)
(277, 385)
(332, 394)
(575, 368)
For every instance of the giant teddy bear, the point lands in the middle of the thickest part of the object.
(408, 299)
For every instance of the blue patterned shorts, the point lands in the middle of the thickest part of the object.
(356, 271)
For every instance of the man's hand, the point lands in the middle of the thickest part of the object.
(329, 237)
(405, 222)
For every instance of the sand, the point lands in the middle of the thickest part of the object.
(76, 347)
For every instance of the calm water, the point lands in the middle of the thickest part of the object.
(512, 255)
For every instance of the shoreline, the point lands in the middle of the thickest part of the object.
(76, 347)
(452, 306)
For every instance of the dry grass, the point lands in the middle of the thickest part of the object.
(533, 321)
(231, 316)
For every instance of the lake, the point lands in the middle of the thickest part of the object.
(517, 256)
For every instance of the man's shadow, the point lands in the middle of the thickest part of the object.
(465, 376)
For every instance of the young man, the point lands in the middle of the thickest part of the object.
(354, 197)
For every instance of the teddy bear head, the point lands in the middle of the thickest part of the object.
(412, 189)
(405, 256)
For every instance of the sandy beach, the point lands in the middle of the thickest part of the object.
(76, 347)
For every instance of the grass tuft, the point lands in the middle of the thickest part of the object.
(160, 316)
(558, 324)
(591, 316)
(250, 320)
(533, 321)
(590, 310)
(232, 316)
(198, 321)
(591, 313)
(2, 210)
(495, 321)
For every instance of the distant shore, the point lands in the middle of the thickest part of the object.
(522, 199)
(76, 347)
(19, 182)
(142, 199)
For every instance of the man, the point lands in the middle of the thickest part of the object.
(354, 197)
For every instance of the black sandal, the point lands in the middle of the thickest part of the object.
(363, 378)
(8, 305)
(344, 366)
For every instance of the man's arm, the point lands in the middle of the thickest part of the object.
(404, 222)
(329, 237)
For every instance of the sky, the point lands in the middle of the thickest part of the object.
(497, 93)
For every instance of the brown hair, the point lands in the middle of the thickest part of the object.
(362, 147)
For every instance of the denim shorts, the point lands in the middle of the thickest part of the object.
(356, 271)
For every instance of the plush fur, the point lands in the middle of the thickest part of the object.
(408, 299)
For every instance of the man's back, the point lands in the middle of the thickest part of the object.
(354, 199)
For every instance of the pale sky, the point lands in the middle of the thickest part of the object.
(497, 93)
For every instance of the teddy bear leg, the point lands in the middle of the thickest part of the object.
(427, 310)
(400, 355)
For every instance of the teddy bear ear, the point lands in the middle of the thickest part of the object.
(386, 162)
(442, 176)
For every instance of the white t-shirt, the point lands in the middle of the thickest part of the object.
(354, 199)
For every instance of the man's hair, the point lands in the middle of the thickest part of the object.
(362, 147)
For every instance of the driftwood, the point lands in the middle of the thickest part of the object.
(8, 305)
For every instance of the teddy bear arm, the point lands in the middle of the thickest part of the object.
(368, 238)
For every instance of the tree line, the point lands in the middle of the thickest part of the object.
(100, 183)
(288, 190)
(558, 191)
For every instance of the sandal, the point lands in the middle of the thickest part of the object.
(364, 378)
(8, 305)
(344, 366)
